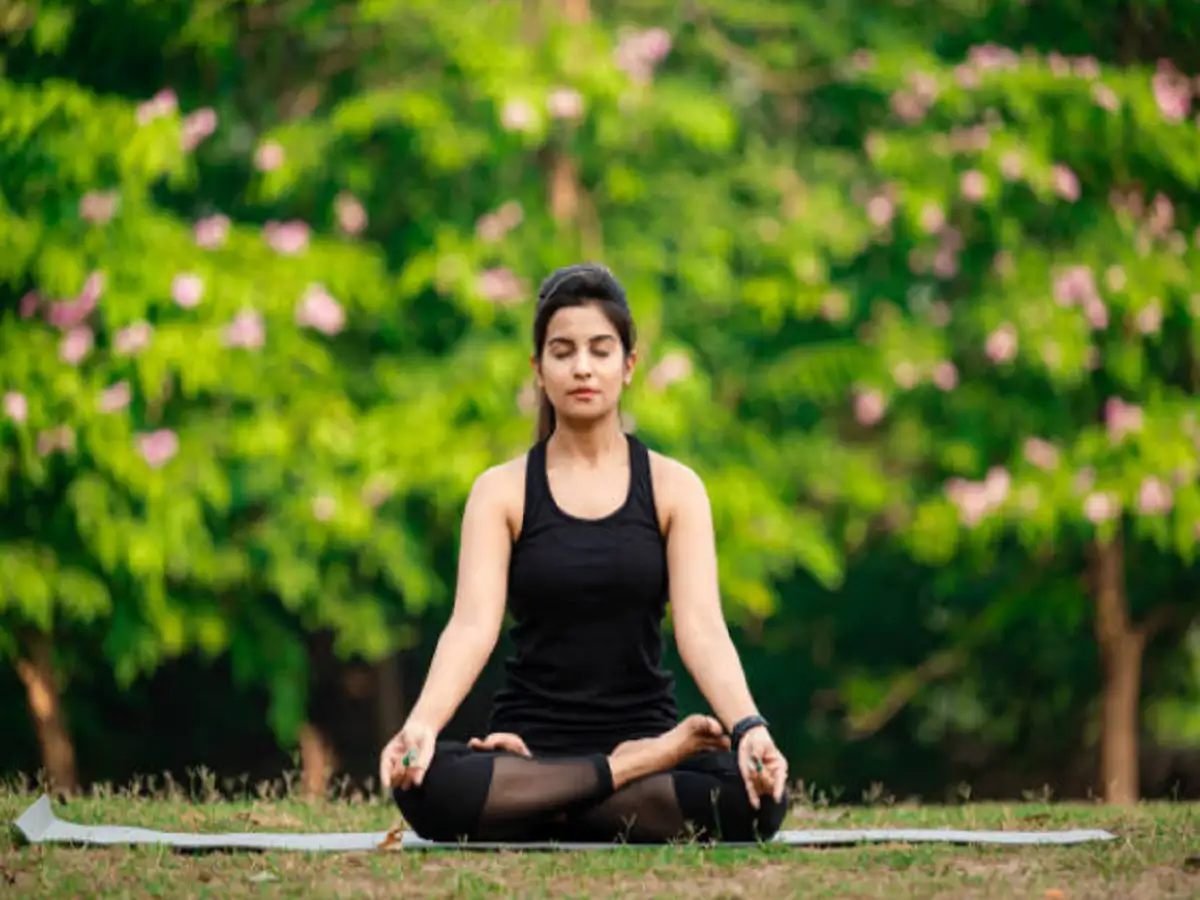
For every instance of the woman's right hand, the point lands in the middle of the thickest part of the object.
(406, 758)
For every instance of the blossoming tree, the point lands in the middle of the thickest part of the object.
(1035, 332)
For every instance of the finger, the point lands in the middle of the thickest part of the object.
(477, 744)
(424, 758)
(404, 766)
(747, 770)
(514, 744)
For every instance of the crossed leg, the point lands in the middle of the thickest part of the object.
(481, 795)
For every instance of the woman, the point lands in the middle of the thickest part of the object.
(587, 537)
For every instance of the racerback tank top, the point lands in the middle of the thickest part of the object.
(587, 598)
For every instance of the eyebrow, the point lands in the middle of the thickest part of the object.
(593, 339)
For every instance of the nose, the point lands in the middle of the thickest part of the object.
(583, 365)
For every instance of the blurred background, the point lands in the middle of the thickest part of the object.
(916, 289)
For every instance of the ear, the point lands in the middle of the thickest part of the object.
(630, 363)
(536, 365)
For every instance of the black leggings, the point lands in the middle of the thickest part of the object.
(484, 795)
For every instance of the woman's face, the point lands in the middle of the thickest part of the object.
(583, 366)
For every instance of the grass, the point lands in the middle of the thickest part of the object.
(1157, 855)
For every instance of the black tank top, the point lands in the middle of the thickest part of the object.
(587, 598)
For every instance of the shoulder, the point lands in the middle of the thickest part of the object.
(501, 489)
(678, 489)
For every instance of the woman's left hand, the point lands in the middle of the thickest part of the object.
(764, 769)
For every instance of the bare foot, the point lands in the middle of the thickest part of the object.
(635, 759)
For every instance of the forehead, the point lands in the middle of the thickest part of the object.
(579, 323)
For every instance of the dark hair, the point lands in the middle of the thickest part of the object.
(575, 286)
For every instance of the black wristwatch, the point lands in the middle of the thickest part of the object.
(740, 728)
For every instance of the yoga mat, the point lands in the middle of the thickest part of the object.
(39, 825)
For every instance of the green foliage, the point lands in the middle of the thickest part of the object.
(266, 274)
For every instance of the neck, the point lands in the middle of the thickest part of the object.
(589, 443)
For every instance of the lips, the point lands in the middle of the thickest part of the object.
(583, 393)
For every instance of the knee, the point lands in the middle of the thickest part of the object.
(446, 806)
(769, 817)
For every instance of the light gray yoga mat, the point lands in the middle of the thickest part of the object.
(39, 825)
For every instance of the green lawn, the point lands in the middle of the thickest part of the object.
(1157, 855)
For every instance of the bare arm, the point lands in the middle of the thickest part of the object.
(700, 630)
(470, 636)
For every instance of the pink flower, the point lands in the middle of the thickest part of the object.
(1101, 507)
(977, 499)
(1172, 92)
(1149, 318)
(71, 313)
(1086, 67)
(60, 438)
(1114, 278)
(1097, 314)
(132, 339)
(1084, 479)
(671, 368)
(932, 218)
(966, 76)
(29, 305)
(196, 127)
(992, 56)
(638, 54)
(869, 407)
(881, 209)
(164, 103)
(1041, 453)
(863, 60)
(376, 492)
(158, 447)
(318, 310)
(75, 345)
(1011, 166)
(1122, 418)
(323, 508)
(1154, 497)
(493, 226)
(974, 186)
(906, 375)
(269, 156)
(247, 331)
(518, 115)
(945, 263)
(1075, 285)
(115, 398)
(500, 286)
(565, 103)
(16, 407)
(187, 290)
(1106, 97)
(98, 207)
(1001, 346)
(288, 238)
(939, 313)
(1059, 66)
(211, 232)
(945, 376)
(351, 214)
(1066, 183)
(835, 306)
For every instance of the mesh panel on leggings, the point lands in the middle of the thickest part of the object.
(529, 796)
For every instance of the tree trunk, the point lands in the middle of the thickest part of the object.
(1121, 648)
(389, 697)
(36, 671)
(316, 761)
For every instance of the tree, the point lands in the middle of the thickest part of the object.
(1030, 302)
